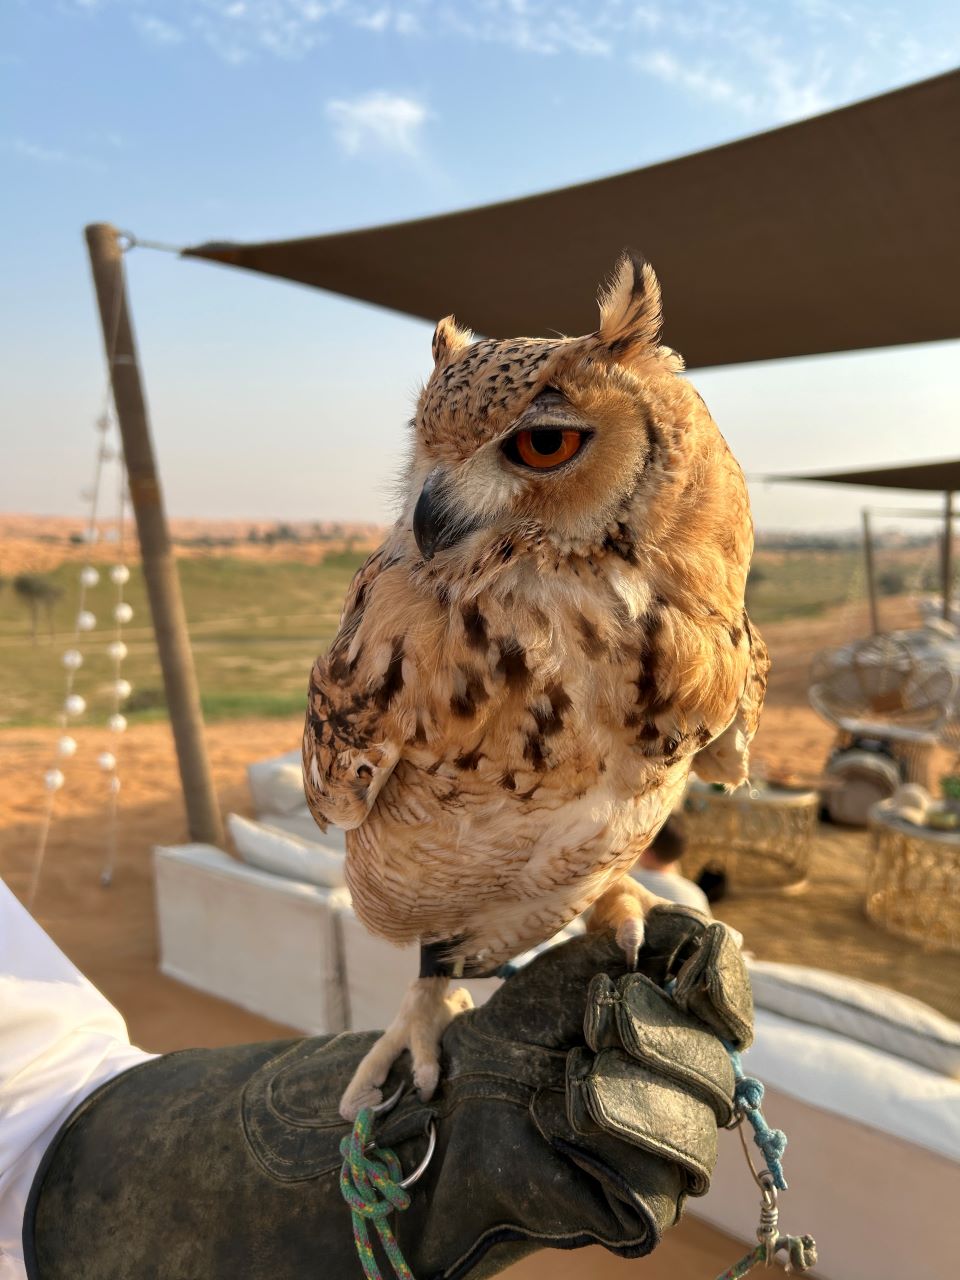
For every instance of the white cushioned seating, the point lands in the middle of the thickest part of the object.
(283, 854)
(276, 789)
(265, 792)
(861, 1011)
(268, 944)
(302, 825)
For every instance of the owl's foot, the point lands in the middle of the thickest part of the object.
(623, 908)
(425, 1013)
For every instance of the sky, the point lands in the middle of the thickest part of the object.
(193, 120)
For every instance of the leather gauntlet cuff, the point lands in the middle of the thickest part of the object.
(579, 1105)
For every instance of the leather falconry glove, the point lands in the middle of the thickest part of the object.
(580, 1105)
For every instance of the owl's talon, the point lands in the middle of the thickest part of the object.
(357, 1096)
(630, 935)
(426, 1077)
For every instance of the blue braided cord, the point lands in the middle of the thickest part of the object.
(748, 1094)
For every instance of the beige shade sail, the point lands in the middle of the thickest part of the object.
(835, 234)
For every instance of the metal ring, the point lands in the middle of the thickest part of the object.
(421, 1168)
(768, 1188)
(389, 1102)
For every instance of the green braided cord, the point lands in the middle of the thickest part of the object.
(746, 1264)
(370, 1184)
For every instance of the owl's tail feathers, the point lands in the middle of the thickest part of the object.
(424, 1014)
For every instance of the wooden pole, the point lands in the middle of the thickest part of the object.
(947, 552)
(871, 575)
(159, 566)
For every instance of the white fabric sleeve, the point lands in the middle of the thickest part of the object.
(59, 1040)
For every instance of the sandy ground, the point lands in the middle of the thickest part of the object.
(37, 544)
(110, 934)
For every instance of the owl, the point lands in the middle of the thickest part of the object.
(551, 637)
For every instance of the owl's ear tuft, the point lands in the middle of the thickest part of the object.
(449, 340)
(631, 316)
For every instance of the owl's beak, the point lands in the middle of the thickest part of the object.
(437, 524)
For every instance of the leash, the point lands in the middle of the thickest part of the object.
(801, 1251)
(373, 1185)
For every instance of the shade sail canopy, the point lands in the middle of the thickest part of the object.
(933, 476)
(834, 234)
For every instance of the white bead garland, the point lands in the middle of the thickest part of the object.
(74, 705)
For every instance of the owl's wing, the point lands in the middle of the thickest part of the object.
(348, 751)
(727, 758)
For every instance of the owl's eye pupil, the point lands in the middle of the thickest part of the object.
(546, 442)
(544, 448)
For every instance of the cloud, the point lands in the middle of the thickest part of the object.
(766, 63)
(53, 156)
(378, 121)
(696, 80)
(156, 30)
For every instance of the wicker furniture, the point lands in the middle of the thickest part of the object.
(913, 887)
(760, 837)
(897, 691)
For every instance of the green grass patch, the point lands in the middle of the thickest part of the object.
(255, 627)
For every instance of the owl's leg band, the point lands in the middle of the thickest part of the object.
(435, 961)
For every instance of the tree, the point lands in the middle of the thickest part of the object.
(37, 593)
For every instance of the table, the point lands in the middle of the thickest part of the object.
(758, 835)
(913, 883)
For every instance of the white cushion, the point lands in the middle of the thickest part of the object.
(261, 780)
(285, 855)
(283, 788)
(301, 824)
(887, 1020)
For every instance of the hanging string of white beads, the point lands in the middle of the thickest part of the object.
(74, 705)
(120, 689)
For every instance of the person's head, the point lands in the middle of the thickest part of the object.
(670, 842)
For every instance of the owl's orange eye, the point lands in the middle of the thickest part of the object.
(544, 447)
